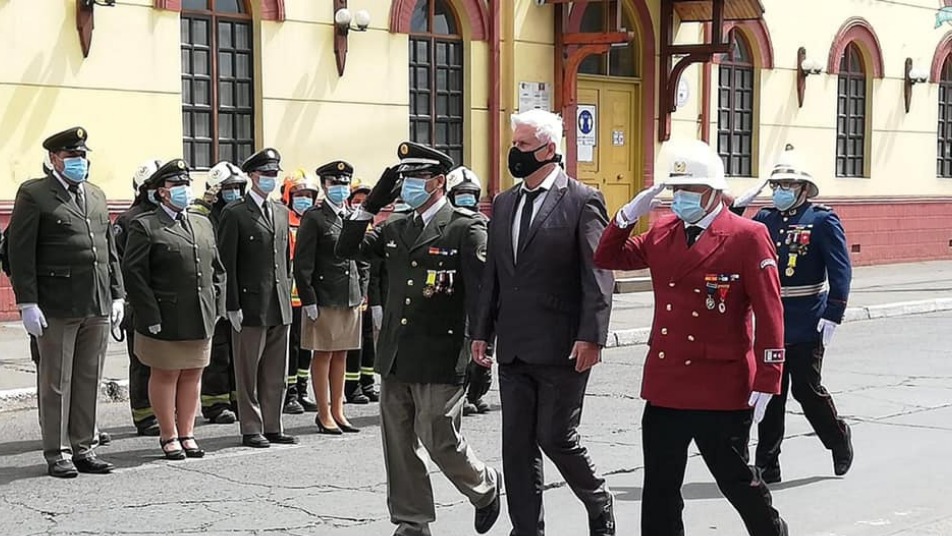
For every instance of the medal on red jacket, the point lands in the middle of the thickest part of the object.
(723, 287)
(710, 283)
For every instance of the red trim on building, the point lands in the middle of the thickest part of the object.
(858, 30)
(942, 51)
(476, 13)
(758, 37)
(270, 9)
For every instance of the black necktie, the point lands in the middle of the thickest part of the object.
(266, 210)
(78, 197)
(525, 219)
(693, 232)
(184, 221)
(415, 229)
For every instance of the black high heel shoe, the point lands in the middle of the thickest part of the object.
(176, 454)
(321, 429)
(193, 452)
(346, 428)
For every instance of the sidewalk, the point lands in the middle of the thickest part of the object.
(877, 291)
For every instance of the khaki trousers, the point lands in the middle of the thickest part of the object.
(420, 419)
(261, 371)
(72, 352)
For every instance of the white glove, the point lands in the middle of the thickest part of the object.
(826, 327)
(745, 198)
(235, 318)
(759, 402)
(377, 312)
(640, 205)
(118, 310)
(311, 312)
(33, 319)
(155, 329)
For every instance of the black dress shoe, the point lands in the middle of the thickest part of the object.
(104, 439)
(770, 474)
(191, 452)
(63, 469)
(469, 408)
(281, 439)
(843, 455)
(346, 428)
(481, 406)
(149, 429)
(486, 516)
(309, 405)
(357, 397)
(604, 523)
(321, 429)
(225, 416)
(293, 407)
(93, 465)
(371, 392)
(256, 441)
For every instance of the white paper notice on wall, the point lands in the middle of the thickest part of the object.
(535, 95)
(618, 138)
(586, 124)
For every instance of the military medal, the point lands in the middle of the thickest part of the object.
(710, 281)
(450, 282)
(440, 281)
(723, 287)
(430, 287)
(791, 264)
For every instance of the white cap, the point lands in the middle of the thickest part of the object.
(144, 171)
(790, 167)
(222, 172)
(459, 176)
(693, 163)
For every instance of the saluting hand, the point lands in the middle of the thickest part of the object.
(642, 203)
(384, 192)
(586, 355)
(480, 355)
(745, 198)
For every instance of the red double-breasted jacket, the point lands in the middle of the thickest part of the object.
(706, 352)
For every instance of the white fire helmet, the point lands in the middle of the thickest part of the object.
(790, 167)
(143, 172)
(462, 175)
(224, 174)
(693, 163)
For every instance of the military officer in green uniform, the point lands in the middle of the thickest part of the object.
(143, 417)
(434, 259)
(68, 286)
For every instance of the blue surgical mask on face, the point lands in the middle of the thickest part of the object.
(180, 196)
(75, 169)
(401, 207)
(413, 192)
(230, 195)
(465, 200)
(337, 193)
(784, 199)
(150, 195)
(301, 204)
(266, 184)
(687, 206)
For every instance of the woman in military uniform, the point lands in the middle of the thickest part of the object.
(175, 283)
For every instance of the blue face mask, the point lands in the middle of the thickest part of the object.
(413, 192)
(75, 169)
(687, 205)
(150, 195)
(180, 196)
(338, 193)
(301, 204)
(465, 200)
(230, 195)
(266, 184)
(401, 207)
(784, 199)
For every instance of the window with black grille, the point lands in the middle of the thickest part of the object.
(851, 96)
(735, 110)
(436, 78)
(217, 82)
(944, 149)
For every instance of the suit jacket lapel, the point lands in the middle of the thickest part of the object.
(707, 243)
(258, 215)
(552, 199)
(331, 214)
(171, 226)
(505, 220)
(64, 196)
(434, 229)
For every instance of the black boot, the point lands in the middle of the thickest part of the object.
(309, 405)
(291, 404)
(371, 392)
(354, 394)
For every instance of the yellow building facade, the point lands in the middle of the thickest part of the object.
(216, 79)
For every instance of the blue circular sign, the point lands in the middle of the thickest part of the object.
(585, 122)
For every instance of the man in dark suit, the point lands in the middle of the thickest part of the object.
(434, 257)
(253, 241)
(65, 273)
(548, 306)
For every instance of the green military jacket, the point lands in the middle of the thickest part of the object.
(322, 277)
(60, 258)
(174, 276)
(121, 228)
(256, 255)
(433, 283)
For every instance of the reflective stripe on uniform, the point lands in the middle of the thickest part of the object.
(142, 414)
(803, 291)
(350, 376)
(292, 380)
(367, 371)
(210, 400)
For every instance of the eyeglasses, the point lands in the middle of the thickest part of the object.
(785, 185)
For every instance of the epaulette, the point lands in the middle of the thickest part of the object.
(823, 208)
(465, 212)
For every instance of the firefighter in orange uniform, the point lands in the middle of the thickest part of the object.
(299, 193)
(707, 364)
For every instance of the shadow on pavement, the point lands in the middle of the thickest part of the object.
(699, 491)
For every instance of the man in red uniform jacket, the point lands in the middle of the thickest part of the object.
(707, 365)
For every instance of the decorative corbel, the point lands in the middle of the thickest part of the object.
(85, 23)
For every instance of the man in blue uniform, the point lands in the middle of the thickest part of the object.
(815, 276)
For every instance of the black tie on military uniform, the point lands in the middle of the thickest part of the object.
(693, 232)
(184, 221)
(266, 210)
(415, 229)
(525, 220)
(78, 197)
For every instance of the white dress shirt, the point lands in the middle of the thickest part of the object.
(66, 184)
(256, 198)
(536, 205)
(431, 212)
(706, 221)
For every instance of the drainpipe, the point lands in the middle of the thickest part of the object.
(494, 102)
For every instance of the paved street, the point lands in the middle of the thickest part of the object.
(892, 377)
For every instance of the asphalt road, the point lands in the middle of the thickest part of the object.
(892, 380)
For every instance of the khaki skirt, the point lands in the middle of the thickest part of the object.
(172, 355)
(335, 330)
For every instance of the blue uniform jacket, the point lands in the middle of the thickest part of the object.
(812, 254)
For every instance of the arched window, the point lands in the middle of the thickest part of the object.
(944, 163)
(735, 109)
(436, 78)
(217, 82)
(851, 114)
(620, 61)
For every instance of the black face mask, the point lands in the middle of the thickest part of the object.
(524, 163)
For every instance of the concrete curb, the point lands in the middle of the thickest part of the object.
(118, 391)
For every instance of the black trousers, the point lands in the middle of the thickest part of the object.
(299, 359)
(142, 414)
(722, 437)
(541, 410)
(801, 375)
(360, 363)
(218, 378)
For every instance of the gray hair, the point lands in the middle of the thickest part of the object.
(548, 126)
